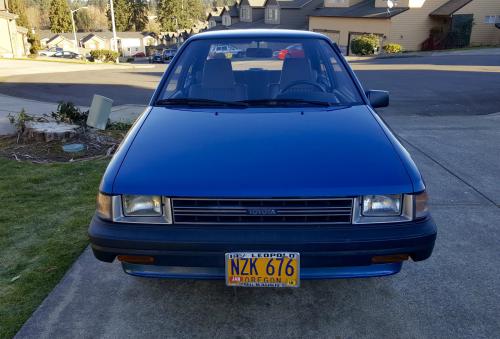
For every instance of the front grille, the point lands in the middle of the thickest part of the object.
(262, 211)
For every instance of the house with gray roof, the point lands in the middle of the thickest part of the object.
(128, 43)
(413, 24)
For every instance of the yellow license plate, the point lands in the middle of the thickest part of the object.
(263, 269)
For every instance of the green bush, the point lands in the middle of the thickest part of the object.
(392, 48)
(34, 41)
(67, 112)
(366, 44)
(104, 55)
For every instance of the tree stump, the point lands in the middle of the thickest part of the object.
(49, 131)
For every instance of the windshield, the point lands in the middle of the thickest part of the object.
(259, 73)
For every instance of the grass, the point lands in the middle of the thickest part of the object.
(44, 214)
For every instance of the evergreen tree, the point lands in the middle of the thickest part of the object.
(169, 15)
(139, 15)
(18, 7)
(60, 16)
(122, 9)
(179, 14)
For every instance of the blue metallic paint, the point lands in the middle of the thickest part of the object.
(292, 152)
(257, 153)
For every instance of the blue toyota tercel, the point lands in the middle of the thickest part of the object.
(261, 170)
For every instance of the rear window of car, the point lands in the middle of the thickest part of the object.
(256, 70)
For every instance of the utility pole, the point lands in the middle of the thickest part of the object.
(74, 29)
(114, 46)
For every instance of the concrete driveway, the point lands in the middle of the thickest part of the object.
(454, 294)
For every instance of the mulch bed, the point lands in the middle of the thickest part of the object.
(97, 145)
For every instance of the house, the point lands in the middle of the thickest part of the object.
(131, 43)
(251, 10)
(230, 15)
(128, 43)
(61, 40)
(93, 41)
(214, 20)
(13, 38)
(214, 16)
(284, 14)
(414, 24)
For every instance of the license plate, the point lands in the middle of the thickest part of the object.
(263, 269)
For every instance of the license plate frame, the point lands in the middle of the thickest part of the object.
(259, 262)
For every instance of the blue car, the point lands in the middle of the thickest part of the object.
(262, 171)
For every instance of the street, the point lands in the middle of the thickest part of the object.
(446, 111)
(447, 85)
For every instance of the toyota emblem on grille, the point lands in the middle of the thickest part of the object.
(261, 211)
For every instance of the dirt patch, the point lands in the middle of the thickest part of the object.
(96, 145)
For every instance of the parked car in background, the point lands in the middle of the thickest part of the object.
(157, 58)
(169, 54)
(67, 55)
(293, 51)
(50, 51)
(139, 55)
(262, 172)
(227, 51)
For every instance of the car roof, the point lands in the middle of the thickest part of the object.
(257, 33)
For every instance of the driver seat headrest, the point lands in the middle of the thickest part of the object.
(295, 69)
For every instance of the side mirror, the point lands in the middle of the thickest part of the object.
(378, 98)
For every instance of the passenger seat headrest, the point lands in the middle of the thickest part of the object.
(218, 73)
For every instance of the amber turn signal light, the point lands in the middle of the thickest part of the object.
(136, 259)
(390, 258)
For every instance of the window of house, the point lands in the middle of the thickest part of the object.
(272, 14)
(490, 19)
(245, 13)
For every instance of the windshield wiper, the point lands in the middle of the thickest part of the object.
(198, 102)
(286, 102)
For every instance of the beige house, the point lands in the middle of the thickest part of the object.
(13, 39)
(414, 24)
(62, 40)
(129, 43)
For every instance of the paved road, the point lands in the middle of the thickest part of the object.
(447, 85)
(454, 294)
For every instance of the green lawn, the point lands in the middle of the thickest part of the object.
(44, 214)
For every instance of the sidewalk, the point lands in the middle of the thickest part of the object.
(13, 105)
(470, 51)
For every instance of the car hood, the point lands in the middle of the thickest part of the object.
(254, 153)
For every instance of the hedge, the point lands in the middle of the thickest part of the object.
(366, 44)
(392, 48)
(104, 55)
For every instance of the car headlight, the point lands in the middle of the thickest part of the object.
(134, 209)
(141, 205)
(382, 205)
(389, 208)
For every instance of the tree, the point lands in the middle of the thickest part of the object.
(99, 18)
(18, 7)
(60, 16)
(169, 15)
(139, 15)
(83, 21)
(122, 9)
(179, 14)
(34, 41)
(153, 27)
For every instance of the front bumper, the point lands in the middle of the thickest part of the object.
(194, 251)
